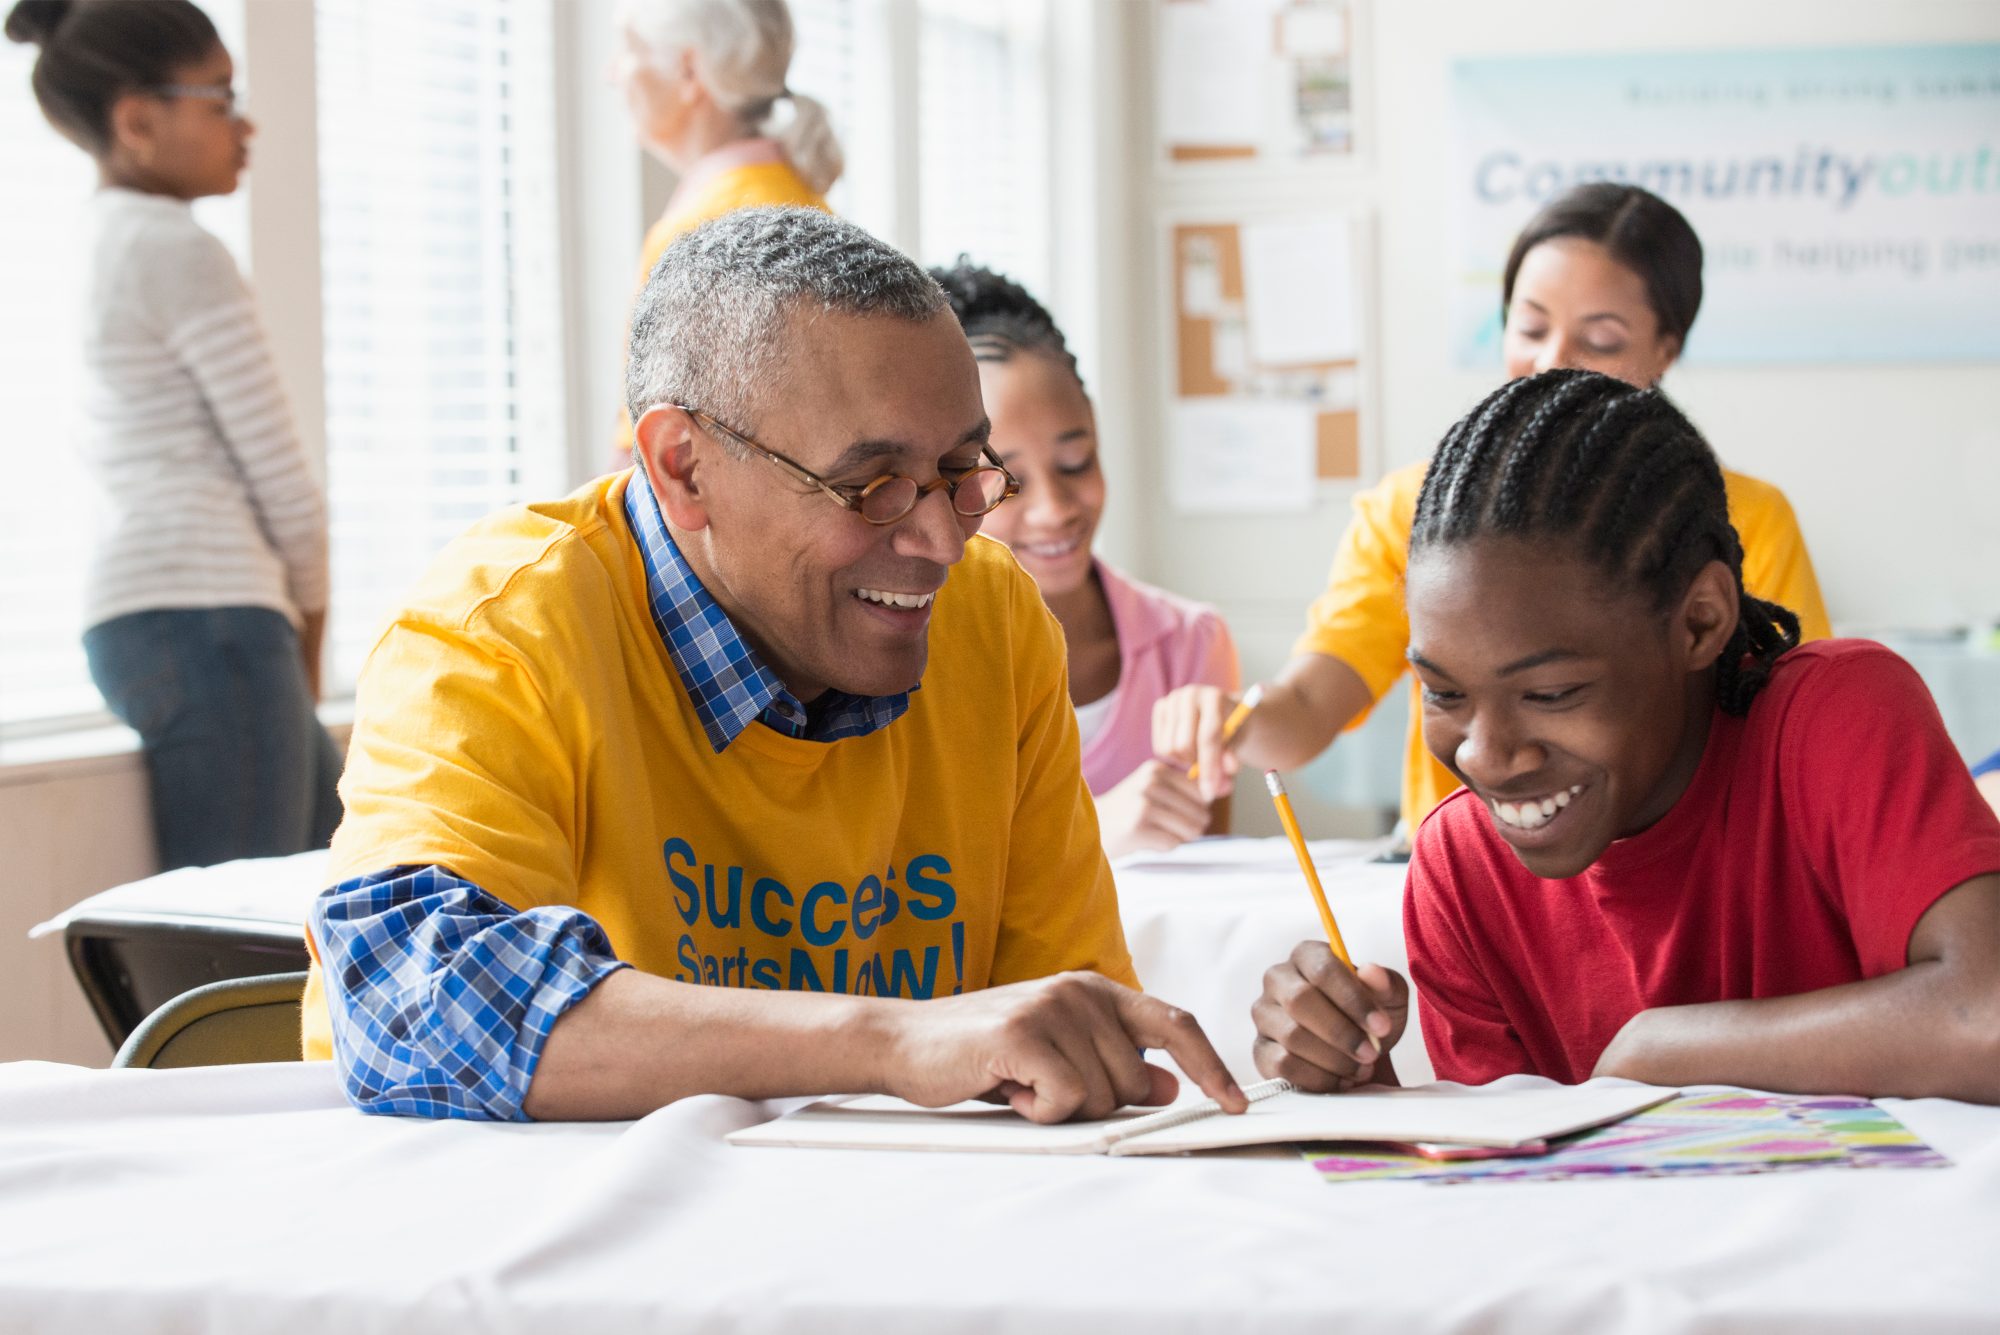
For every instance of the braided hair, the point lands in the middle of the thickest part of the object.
(1000, 318)
(1621, 475)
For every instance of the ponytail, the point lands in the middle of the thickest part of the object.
(742, 51)
(1764, 632)
(808, 140)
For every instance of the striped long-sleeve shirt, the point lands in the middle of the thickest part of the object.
(212, 502)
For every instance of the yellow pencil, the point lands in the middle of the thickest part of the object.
(1292, 832)
(1234, 721)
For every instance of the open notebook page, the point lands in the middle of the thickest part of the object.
(1448, 1113)
(1442, 1113)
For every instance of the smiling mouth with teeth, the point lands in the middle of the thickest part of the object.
(886, 598)
(1533, 815)
(1048, 550)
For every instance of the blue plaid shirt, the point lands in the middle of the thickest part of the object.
(441, 994)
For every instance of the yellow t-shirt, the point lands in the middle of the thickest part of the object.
(741, 187)
(521, 725)
(1360, 618)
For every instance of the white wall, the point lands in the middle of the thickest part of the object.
(1893, 470)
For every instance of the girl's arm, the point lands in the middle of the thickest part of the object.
(215, 333)
(1930, 1030)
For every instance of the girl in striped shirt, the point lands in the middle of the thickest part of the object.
(208, 593)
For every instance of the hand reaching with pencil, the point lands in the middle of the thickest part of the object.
(1326, 1026)
(1194, 726)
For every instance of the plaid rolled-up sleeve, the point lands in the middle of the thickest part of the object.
(441, 995)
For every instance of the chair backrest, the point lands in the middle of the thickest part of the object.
(221, 1024)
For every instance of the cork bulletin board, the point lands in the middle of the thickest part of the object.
(1331, 386)
(1267, 359)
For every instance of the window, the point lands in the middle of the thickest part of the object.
(45, 506)
(443, 370)
(983, 169)
(444, 357)
(942, 107)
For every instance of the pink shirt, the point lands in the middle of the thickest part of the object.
(1164, 642)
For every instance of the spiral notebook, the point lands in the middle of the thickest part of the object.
(1440, 1114)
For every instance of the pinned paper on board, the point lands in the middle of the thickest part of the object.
(1251, 80)
(1239, 456)
(1298, 285)
(1267, 316)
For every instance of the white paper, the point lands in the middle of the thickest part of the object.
(1201, 289)
(1447, 1113)
(1340, 389)
(1241, 456)
(1318, 31)
(1230, 352)
(1298, 291)
(1213, 61)
(1454, 1114)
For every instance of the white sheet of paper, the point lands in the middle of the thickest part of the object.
(1298, 291)
(1455, 1114)
(1320, 31)
(1241, 456)
(1201, 290)
(1212, 67)
(1231, 350)
(1343, 389)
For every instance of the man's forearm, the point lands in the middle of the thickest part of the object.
(639, 1042)
(1917, 1033)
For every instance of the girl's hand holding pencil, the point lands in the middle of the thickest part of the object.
(1323, 1024)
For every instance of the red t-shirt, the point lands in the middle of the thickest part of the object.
(1814, 835)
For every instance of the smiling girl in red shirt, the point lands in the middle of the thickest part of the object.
(1689, 851)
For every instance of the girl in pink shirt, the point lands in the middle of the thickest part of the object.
(1129, 643)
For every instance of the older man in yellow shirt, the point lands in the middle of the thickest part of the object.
(748, 770)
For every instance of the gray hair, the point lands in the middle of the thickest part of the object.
(742, 50)
(710, 325)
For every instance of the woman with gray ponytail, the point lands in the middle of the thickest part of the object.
(704, 81)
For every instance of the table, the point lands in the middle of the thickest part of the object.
(252, 1198)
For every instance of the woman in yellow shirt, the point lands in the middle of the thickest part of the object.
(703, 80)
(1606, 278)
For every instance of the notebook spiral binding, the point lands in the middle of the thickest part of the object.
(1193, 1112)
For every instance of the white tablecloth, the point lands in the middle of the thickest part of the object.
(252, 1199)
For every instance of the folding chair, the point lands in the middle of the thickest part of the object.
(220, 1024)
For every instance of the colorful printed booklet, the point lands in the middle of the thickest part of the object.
(1457, 1115)
(1699, 1134)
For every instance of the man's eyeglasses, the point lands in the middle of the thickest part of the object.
(974, 491)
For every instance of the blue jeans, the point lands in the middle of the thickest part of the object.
(239, 763)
